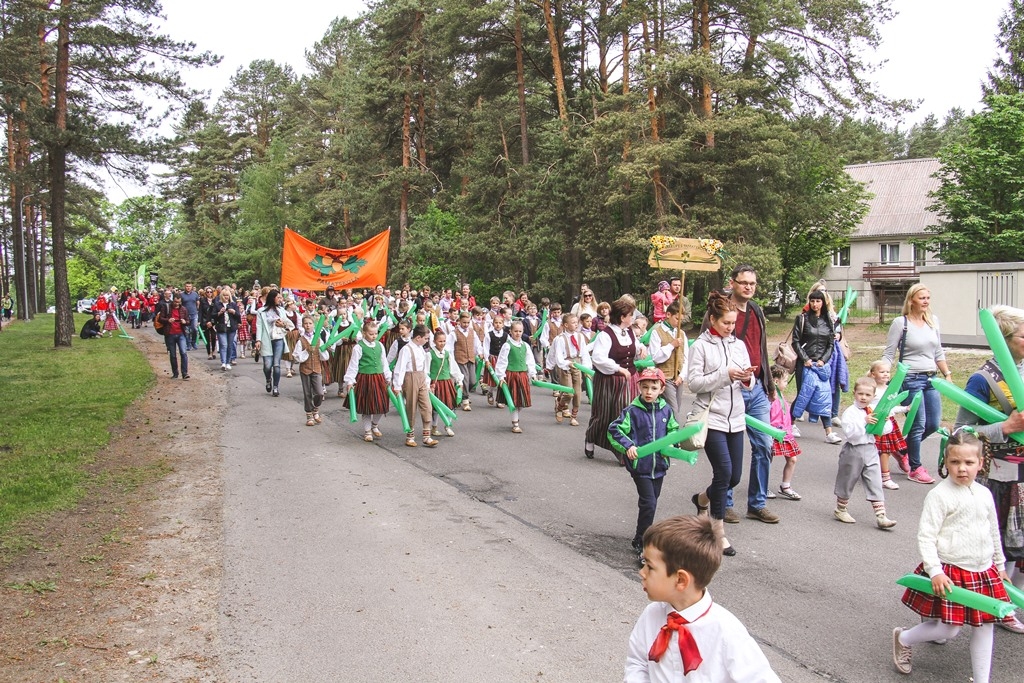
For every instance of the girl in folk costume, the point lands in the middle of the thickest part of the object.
(615, 382)
(667, 348)
(110, 322)
(481, 327)
(244, 333)
(516, 367)
(369, 373)
(292, 313)
(959, 542)
(411, 379)
(403, 337)
(311, 357)
(445, 376)
(569, 348)
(341, 354)
(496, 339)
(890, 443)
(466, 347)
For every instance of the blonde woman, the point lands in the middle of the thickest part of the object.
(914, 340)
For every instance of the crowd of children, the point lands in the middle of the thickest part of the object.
(427, 358)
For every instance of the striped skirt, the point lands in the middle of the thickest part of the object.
(488, 378)
(931, 607)
(612, 393)
(444, 389)
(371, 394)
(338, 363)
(892, 443)
(519, 387)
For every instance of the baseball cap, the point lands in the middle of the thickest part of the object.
(652, 373)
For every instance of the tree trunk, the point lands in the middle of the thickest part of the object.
(521, 87)
(659, 198)
(602, 46)
(627, 211)
(705, 83)
(556, 66)
(403, 208)
(64, 323)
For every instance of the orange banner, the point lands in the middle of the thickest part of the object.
(308, 265)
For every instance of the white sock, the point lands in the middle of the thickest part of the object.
(982, 638)
(927, 631)
(785, 485)
(366, 423)
(515, 415)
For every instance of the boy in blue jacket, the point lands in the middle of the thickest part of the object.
(647, 418)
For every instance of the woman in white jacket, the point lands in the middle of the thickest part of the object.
(718, 369)
(272, 324)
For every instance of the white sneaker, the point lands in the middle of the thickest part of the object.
(832, 437)
(890, 484)
(796, 432)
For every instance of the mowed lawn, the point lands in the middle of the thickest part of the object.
(58, 409)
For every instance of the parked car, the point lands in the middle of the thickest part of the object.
(85, 305)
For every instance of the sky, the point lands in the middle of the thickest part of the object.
(934, 52)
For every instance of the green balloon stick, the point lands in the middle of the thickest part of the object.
(1016, 595)
(972, 403)
(761, 426)
(552, 386)
(646, 339)
(644, 363)
(889, 400)
(543, 323)
(199, 329)
(851, 296)
(589, 372)
(996, 341)
(680, 454)
(961, 596)
(458, 393)
(508, 397)
(441, 409)
(352, 416)
(590, 390)
(670, 439)
(400, 407)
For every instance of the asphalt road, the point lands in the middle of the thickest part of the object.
(505, 557)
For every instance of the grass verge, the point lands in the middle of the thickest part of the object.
(59, 407)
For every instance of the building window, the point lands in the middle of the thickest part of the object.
(841, 257)
(889, 253)
(920, 255)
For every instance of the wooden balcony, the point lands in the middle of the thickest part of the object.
(893, 271)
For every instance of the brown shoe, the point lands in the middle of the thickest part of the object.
(410, 442)
(731, 516)
(558, 416)
(429, 442)
(763, 515)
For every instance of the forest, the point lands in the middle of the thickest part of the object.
(515, 144)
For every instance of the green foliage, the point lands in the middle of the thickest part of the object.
(48, 443)
(981, 196)
(1007, 74)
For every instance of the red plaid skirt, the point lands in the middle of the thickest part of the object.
(519, 387)
(444, 389)
(931, 607)
(243, 331)
(788, 448)
(371, 394)
(892, 443)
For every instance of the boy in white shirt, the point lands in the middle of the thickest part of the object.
(858, 458)
(411, 378)
(683, 635)
(570, 347)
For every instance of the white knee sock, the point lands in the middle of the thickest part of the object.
(515, 415)
(928, 631)
(366, 423)
(981, 651)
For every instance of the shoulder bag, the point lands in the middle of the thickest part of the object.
(785, 356)
(697, 441)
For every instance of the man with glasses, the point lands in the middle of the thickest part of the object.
(751, 329)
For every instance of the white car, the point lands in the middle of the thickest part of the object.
(85, 305)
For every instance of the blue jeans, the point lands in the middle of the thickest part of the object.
(757, 406)
(193, 327)
(725, 453)
(926, 422)
(272, 363)
(226, 343)
(176, 345)
(647, 491)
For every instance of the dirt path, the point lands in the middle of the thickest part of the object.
(125, 585)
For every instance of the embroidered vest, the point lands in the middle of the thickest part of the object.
(516, 357)
(439, 367)
(673, 365)
(370, 362)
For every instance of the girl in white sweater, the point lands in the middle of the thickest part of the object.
(959, 544)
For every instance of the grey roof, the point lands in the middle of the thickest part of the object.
(900, 205)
